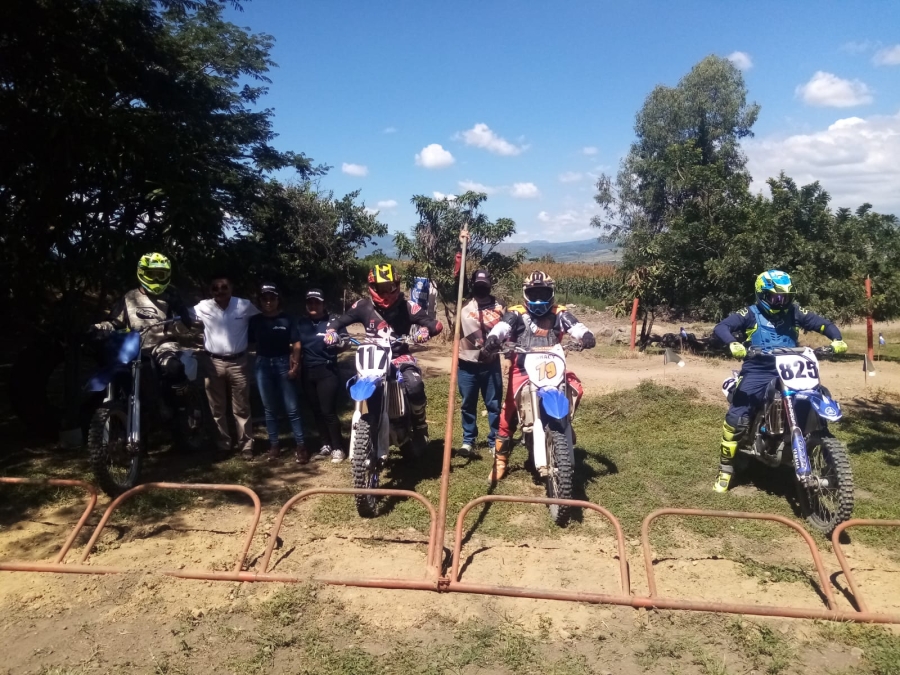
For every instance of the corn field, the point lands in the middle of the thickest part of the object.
(581, 282)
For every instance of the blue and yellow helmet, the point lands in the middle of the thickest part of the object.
(774, 291)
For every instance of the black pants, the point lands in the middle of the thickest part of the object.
(321, 384)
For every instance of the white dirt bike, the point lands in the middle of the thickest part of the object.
(545, 405)
(381, 417)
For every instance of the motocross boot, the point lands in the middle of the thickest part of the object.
(420, 440)
(726, 468)
(501, 460)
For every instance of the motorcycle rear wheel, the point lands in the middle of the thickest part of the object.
(364, 465)
(558, 483)
(826, 508)
(115, 466)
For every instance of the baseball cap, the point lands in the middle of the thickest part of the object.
(315, 294)
(481, 277)
(268, 288)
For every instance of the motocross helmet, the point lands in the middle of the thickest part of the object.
(154, 272)
(384, 287)
(539, 293)
(774, 291)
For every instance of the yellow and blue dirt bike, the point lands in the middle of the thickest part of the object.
(791, 429)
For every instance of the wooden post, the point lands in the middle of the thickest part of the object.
(634, 309)
(870, 349)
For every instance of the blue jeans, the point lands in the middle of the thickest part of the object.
(279, 393)
(486, 379)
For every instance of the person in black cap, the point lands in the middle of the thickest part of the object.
(478, 373)
(320, 377)
(277, 339)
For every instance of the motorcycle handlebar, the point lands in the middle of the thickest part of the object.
(514, 348)
(778, 351)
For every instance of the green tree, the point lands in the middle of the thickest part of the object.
(432, 248)
(300, 237)
(682, 185)
(126, 126)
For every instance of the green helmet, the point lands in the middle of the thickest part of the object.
(154, 272)
(774, 291)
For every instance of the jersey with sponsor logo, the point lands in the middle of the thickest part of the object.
(399, 317)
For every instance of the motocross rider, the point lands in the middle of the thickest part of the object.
(387, 307)
(539, 323)
(774, 320)
(153, 301)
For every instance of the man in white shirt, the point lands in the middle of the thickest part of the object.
(225, 323)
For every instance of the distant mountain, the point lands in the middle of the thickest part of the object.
(586, 250)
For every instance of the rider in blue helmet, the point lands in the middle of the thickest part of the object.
(774, 320)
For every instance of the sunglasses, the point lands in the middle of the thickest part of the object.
(221, 288)
(269, 297)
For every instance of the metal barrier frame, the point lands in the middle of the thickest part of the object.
(839, 553)
(453, 584)
(57, 482)
(830, 614)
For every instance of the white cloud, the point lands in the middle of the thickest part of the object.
(569, 224)
(570, 177)
(390, 130)
(525, 191)
(481, 136)
(387, 204)
(830, 91)
(741, 60)
(434, 157)
(854, 159)
(470, 185)
(371, 211)
(889, 56)
(355, 169)
(589, 150)
(859, 46)
(440, 196)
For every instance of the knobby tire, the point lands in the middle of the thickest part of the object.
(98, 452)
(363, 449)
(559, 456)
(837, 465)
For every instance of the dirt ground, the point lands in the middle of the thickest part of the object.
(145, 623)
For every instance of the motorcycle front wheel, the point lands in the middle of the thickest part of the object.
(116, 467)
(827, 506)
(560, 474)
(364, 465)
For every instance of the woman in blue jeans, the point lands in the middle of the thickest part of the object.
(277, 339)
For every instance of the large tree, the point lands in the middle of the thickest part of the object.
(682, 184)
(126, 126)
(432, 249)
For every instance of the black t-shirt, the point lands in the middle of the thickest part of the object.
(312, 339)
(274, 336)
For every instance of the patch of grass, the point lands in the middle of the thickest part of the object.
(881, 648)
(661, 648)
(771, 574)
(767, 650)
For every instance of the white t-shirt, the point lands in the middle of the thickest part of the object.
(225, 330)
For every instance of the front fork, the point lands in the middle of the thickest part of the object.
(381, 438)
(134, 408)
(798, 443)
(539, 435)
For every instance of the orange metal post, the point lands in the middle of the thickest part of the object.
(634, 309)
(870, 343)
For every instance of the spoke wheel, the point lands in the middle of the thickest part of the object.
(364, 465)
(116, 466)
(558, 483)
(827, 506)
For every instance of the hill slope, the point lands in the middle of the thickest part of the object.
(586, 250)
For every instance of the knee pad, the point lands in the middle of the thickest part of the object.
(734, 429)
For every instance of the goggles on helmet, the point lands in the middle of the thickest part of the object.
(777, 300)
(539, 294)
(156, 273)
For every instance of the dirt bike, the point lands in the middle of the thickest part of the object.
(545, 405)
(792, 429)
(381, 417)
(117, 436)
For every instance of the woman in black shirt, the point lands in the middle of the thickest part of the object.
(320, 376)
(277, 366)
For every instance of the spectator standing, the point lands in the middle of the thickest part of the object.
(321, 382)
(477, 375)
(277, 339)
(225, 322)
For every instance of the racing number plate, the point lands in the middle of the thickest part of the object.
(798, 371)
(546, 369)
(371, 360)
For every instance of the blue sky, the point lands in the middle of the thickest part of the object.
(533, 99)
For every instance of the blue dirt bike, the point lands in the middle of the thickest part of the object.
(117, 436)
(792, 429)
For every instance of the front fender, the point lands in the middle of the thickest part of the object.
(554, 402)
(363, 388)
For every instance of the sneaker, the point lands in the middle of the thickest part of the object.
(301, 454)
(274, 453)
(337, 456)
(324, 452)
(722, 482)
(466, 450)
